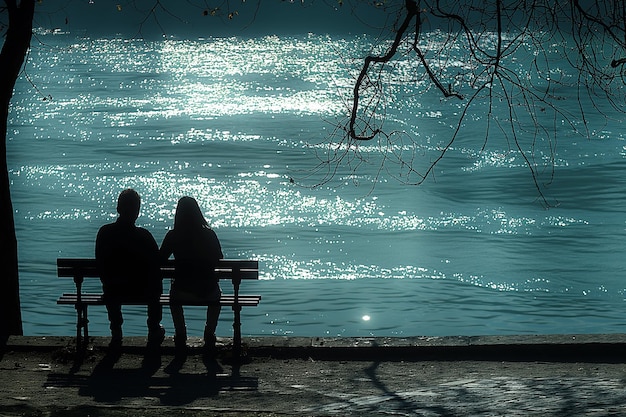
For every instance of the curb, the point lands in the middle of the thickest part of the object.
(601, 348)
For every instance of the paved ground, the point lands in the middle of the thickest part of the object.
(583, 375)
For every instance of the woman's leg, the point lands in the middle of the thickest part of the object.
(178, 318)
(212, 316)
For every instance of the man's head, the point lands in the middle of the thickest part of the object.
(128, 204)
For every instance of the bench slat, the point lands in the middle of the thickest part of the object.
(86, 268)
(96, 299)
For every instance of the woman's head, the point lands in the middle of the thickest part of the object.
(188, 214)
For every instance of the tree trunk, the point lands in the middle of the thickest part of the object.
(16, 44)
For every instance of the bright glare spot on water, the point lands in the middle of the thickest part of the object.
(366, 318)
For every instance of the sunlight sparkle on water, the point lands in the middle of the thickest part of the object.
(232, 121)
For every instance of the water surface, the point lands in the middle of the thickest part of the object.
(237, 123)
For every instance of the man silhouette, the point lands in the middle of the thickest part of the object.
(128, 259)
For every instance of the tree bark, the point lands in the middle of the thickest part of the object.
(12, 56)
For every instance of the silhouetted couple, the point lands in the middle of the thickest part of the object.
(129, 259)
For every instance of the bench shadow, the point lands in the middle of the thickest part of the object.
(170, 385)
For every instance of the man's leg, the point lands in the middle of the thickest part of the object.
(156, 332)
(114, 311)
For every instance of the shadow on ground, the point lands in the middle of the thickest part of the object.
(173, 383)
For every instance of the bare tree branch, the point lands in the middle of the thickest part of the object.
(509, 51)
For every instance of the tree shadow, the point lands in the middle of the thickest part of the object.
(544, 394)
(397, 402)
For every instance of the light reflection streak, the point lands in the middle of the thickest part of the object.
(246, 201)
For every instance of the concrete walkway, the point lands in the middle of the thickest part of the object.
(559, 375)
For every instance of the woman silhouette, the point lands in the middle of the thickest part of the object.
(196, 248)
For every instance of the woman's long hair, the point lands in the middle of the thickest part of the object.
(188, 215)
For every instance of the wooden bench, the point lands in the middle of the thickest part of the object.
(235, 270)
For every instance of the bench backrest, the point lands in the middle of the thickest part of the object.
(232, 269)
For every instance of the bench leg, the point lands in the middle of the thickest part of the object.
(85, 326)
(82, 328)
(237, 332)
